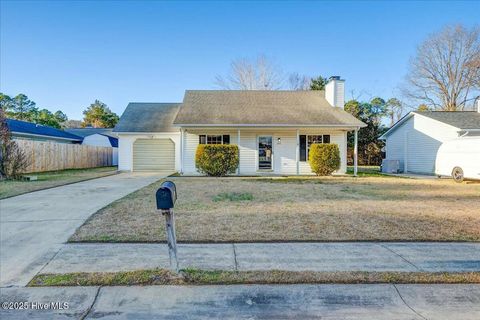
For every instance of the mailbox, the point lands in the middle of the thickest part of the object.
(166, 196)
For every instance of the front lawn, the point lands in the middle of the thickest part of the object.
(10, 188)
(296, 209)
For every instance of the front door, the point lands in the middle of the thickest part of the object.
(265, 152)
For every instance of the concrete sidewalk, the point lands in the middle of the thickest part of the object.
(333, 256)
(34, 226)
(330, 301)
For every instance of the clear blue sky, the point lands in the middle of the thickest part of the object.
(64, 55)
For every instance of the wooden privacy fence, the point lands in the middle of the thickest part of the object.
(50, 156)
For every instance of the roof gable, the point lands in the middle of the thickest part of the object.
(148, 117)
(30, 128)
(232, 107)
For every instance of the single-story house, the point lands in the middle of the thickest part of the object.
(32, 131)
(101, 137)
(273, 129)
(415, 139)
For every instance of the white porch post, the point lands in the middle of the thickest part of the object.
(238, 145)
(297, 153)
(355, 154)
(181, 150)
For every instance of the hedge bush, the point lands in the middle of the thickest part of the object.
(216, 159)
(324, 158)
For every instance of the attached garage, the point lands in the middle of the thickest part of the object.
(153, 155)
(147, 139)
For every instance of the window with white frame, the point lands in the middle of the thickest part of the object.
(307, 140)
(214, 139)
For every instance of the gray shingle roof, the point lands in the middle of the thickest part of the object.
(458, 119)
(230, 107)
(148, 117)
(83, 132)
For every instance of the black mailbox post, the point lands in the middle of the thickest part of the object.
(166, 197)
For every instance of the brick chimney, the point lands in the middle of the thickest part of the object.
(335, 91)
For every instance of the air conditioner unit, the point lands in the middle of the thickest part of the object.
(390, 166)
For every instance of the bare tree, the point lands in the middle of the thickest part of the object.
(257, 74)
(446, 70)
(298, 82)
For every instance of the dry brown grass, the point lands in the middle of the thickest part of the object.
(216, 277)
(292, 209)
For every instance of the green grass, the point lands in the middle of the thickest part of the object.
(10, 188)
(367, 171)
(217, 277)
(233, 196)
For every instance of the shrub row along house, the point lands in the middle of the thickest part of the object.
(273, 129)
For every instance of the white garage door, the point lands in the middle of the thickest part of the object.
(153, 155)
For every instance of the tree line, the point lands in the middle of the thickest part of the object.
(20, 107)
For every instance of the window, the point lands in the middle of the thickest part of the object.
(213, 139)
(307, 140)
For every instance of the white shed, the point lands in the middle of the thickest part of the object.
(415, 139)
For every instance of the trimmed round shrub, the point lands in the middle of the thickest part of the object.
(324, 158)
(216, 159)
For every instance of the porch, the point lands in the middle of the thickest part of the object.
(265, 150)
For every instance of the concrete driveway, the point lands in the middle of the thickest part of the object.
(34, 226)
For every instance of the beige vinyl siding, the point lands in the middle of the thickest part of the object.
(284, 153)
(248, 152)
(284, 157)
(190, 148)
(153, 155)
(338, 137)
(191, 140)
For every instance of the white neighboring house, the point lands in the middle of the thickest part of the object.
(273, 129)
(415, 139)
(100, 137)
